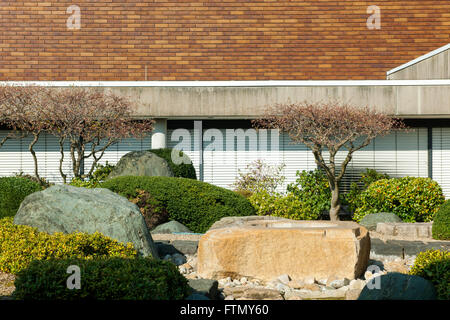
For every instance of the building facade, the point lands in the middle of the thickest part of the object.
(204, 70)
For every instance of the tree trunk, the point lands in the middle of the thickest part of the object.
(30, 148)
(61, 160)
(335, 203)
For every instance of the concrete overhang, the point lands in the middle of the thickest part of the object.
(249, 99)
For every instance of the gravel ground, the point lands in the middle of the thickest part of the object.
(6, 285)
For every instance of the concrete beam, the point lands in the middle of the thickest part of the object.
(246, 100)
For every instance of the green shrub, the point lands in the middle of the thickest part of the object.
(195, 204)
(183, 170)
(412, 199)
(434, 265)
(312, 189)
(367, 178)
(19, 245)
(286, 206)
(102, 279)
(100, 173)
(441, 222)
(12, 192)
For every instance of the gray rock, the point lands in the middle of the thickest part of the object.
(141, 163)
(370, 221)
(68, 209)
(206, 287)
(336, 284)
(398, 286)
(171, 227)
(196, 296)
(178, 259)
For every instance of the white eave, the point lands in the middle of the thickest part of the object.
(419, 59)
(267, 83)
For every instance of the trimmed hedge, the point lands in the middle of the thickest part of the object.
(19, 245)
(102, 279)
(412, 199)
(434, 265)
(184, 170)
(441, 222)
(195, 204)
(12, 192)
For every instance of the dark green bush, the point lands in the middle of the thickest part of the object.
(434, 265)
(12, 192)
(183, 170)
(412, 199)
(102, 279)
(441, 222)
(195, 204)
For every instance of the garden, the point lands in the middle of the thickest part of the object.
(146, 228)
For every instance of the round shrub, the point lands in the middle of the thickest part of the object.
(286, 206)
(412, 199)
(102, 279)
(441, 223)
(153, 211)
(434, 265)
(19, 245)
(183, 170)
(194, 203)
(12, 192)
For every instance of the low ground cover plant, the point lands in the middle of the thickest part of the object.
(412, 199)
(434, 265)
(19, 245)
(12, 192)
(102, 279)
(194, 203)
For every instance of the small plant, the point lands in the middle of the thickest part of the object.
(153, 211)
(441, 222)
(100, 174)
(434, 265)
(259, 176)
(102, 279)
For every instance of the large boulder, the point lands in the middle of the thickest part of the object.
(398, 286)
(266, 248)
(141, 163)
(370, 221)
(68, 209)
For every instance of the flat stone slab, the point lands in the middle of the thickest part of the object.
(416, 230)
(176, 246)
(265, 249)
(403, 248)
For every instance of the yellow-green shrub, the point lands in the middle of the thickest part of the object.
(19, 245)
(286, 206)
(434, 265)
(412, 199)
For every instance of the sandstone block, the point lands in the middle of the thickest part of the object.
(265, 249)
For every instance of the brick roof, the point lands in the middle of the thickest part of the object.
(215, 39)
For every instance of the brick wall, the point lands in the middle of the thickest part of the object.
(215, 39)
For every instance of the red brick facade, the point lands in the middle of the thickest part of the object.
(215, 39)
